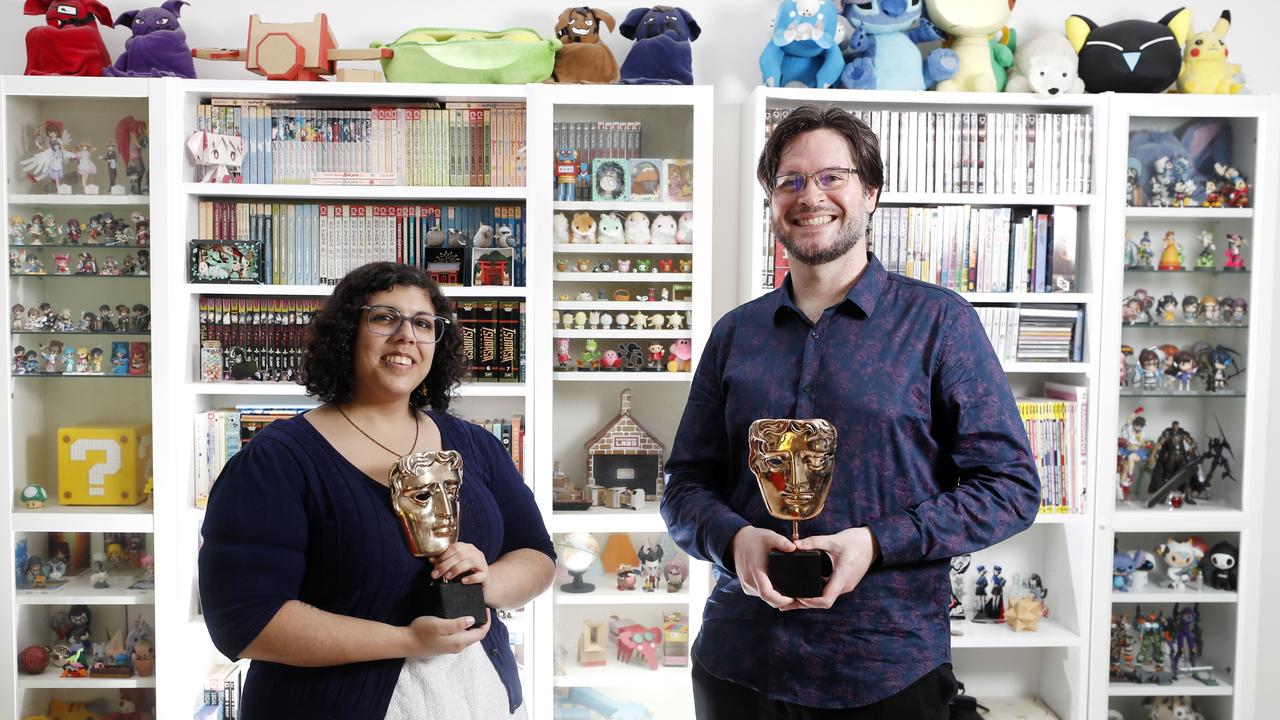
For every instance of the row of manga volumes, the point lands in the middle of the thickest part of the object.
(222, 688)
(591, 140)
(985, 250)
(318, 243)
(221, 433)
(492, 338)
(1032, 333)
(1057, 427)
(253, 338)
(428, 144)
(967, 249)
(1016, 153)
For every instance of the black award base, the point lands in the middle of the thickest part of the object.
(455, 600)
(799, 574)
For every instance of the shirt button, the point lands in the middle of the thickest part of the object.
(808, 388)
(816, 334)
(494, 652)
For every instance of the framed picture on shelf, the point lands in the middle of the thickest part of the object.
(492, 266)
(610, 179)
(677, 180)
(225, 262)
(646, 179)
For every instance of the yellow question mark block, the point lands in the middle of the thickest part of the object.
(103, 465)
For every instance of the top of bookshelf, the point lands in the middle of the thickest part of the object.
(307, 91)
(62, 87)
(886, 98)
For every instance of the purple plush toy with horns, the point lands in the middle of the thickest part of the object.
(158, 47)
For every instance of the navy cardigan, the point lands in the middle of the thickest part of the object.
(291, 519)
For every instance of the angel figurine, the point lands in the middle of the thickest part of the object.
(86, 168)
(48, 162)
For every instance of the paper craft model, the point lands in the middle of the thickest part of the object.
(295, 51)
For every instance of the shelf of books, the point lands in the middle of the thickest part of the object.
(78, 473)
(333, 176)
(1189, 212)
(995, 197)
(622, 185)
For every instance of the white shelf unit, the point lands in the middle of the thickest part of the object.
(35, 407)
(1230, 619)
(178, 599)
(996, 661)
(676, 122)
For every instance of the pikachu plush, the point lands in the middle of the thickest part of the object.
(1205, 68)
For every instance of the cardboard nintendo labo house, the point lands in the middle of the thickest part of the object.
(625, 455)
(296, 51)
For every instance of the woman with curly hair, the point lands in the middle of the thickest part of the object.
(304, 568)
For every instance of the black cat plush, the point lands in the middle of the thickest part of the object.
(1131, 55)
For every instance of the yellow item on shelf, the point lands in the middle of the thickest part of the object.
(103, 464)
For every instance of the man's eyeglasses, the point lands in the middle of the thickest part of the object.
(827, 179)
(383, 320)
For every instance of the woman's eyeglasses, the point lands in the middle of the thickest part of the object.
(827, 179)
(383, 320)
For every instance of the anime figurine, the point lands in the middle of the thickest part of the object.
(144, 262)
(1174, 450)
(123, 322)
(62, 323)
(1209, 310)
(158, 45)
(1137, 308)
(119, 358)
(959, 566)
(87, 265)
(73, 231)
(1221, 571)
(132, 139)
(81, 617)
(1239, 311)
(1139, 255)
(139, 358)
(980, 592)
(1235, 260)
(1134, 452)
(18, 230)
(95, 361)
(1185, 365)
(1204, 261)
(85, 168)
(1150, 376)
(111, 158)
(47, 163)
(1220, 360)
(1167, 308)
(110, 267)
(1171, 257)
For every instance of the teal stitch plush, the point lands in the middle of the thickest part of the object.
(884, 45)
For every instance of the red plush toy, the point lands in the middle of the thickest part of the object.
(69, 43)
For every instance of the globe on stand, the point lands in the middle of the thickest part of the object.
(578, 551)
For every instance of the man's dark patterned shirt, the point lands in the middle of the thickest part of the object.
(932, 457)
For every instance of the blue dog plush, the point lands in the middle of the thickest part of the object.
(805, 47)
(885, 34)
(662, 54)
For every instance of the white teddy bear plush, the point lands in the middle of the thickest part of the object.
(1046, 64)
(637, 228)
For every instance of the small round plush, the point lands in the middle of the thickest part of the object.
(33, 659)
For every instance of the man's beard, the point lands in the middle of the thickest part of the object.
(850, 233)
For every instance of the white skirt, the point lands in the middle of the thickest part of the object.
(457, 687)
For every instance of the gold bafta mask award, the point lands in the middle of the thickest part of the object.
(424, 495)
(793, 461)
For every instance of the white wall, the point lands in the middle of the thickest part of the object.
(726, 56)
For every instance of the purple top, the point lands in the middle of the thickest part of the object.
(291, 519)
(932, 456)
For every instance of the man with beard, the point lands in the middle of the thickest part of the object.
(931, 459)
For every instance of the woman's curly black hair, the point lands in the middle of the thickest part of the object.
(327, 368)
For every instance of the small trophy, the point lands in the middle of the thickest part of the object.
(793, 461)
(424, 496)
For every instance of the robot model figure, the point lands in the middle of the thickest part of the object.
(959, 566)
(1221, 572)
(1151, 643)
(1186, 636)
(1122, 648)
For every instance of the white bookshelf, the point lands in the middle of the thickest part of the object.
(1051, 663)
(1229, 619)
(676, 122)
(36, 406)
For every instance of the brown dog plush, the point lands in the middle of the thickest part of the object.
(582, 58)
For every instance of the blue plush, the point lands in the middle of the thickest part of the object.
(805, 47)
(885, 56)
(1201, 144)
(662, 54)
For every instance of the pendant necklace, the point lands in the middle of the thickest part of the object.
(417, 425)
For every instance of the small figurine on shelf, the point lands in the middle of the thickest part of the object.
(1209, 310)
(1171, 257)
(61, 264)
(589, 359)
(110, 267)
(1134, 452)
(955, 607)
(119, 358)
(1212, 195)
(35, 229)
(1183, 186)
(52, 141)
(675, 572)
(1186, 637)
(1139, 255)
(1167, 308)
(73, 231)
(62, 323)
(86, 169)
(655, 354)
(610, 360)
(95, 361)
(132, 137)
(1122, 571)
(139, 358)
(680, 358)
(144, 262)
(1133, 184)
(564, 361)
(1222, 561)
(1221, 360)
(1149, 375)
(69, 360)
(1174, 450)
(17, 317)
(1190, 308)
(566, 174)
(17, 230)
(1208, 247)
(627, 577)
(1137, 308)
(1239, 311)
(1182, 558)
(111, 158)
(1235, 260)
(33, 496)
(141, 229)
(87, 265)
(1238, 195)
(650, 555)
(1161, 183)
(81, 618)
